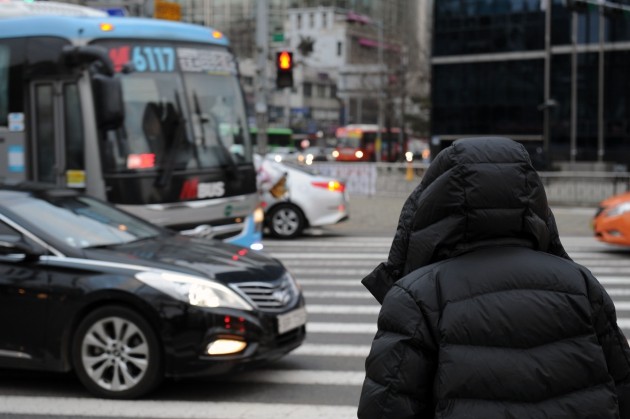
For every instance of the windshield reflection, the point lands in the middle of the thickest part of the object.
(179, 121)
(218, 118)
(81, 222)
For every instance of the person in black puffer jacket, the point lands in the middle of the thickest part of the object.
(484, 315)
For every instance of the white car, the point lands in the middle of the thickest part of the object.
(294, 197)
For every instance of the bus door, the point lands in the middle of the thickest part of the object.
(56, 140)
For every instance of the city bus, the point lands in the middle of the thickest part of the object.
(358, 142)
(276, 137)
(147, 114)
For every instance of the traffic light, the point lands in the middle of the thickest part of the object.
(284, 69)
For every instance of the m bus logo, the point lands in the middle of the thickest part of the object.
(192, 189)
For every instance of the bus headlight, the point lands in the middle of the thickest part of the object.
(192, 290)
(358, 154)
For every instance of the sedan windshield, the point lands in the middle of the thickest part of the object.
(80, 222)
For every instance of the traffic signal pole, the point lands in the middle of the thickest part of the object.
(262, 51)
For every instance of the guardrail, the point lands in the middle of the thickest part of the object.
(399, 179)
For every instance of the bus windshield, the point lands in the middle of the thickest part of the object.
(186, 120)
(353, 142)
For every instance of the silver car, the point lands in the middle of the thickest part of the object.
(294, 198)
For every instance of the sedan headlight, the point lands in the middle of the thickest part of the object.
(619, 209)
(193, 290)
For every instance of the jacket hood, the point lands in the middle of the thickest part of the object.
(478, 192)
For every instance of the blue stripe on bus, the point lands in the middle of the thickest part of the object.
(89, 28)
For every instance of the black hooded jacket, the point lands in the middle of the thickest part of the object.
(484, 314)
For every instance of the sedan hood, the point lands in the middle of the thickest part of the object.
(201, 257)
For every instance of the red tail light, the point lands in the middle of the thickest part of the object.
(332, 185)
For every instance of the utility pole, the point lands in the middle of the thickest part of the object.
(404, 61)
(262, 51)
(600, 95)
(381, 86)
(574, 74)
(547, 87)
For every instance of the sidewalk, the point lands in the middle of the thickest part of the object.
(378, 215)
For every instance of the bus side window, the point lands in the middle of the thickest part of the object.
(45, 133)
(73, 127)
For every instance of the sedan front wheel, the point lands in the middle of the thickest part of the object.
(116, 353)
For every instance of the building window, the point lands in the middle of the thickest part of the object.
(324, 20)
(321, 90)
(308, 89)
(333, 91)
(299, 21)
(311, 20)
(339, 48)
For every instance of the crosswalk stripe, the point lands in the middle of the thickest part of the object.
(370, 328)
(614, 280)
(339, 264)
(341, 294)
(333, 271)
(312, 349)
(67, 407)
(330, 256)
(342, 309)
(305, 377)
(622, 322)
(344, 328)
(330, 282)
(613, 292)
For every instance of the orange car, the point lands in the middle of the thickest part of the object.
(611, 223)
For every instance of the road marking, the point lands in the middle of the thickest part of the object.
(304, 377)
(328, 256)
(313, 281)
(342, 309)
(623, 322)
(312, 349)
(613, 280)
(345, 328)
(622, 305)
(340, 294)
(333, 271)
(330, 282)
(66, 407)
(617, 292)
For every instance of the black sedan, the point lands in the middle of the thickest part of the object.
(123, 303)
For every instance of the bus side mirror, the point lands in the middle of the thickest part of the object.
(108, 102)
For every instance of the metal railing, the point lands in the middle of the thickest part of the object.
(575, 188)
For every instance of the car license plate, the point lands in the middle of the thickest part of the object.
(291, 320)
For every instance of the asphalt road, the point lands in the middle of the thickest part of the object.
(378, 216)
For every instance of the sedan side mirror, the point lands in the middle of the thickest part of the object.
(13, 245)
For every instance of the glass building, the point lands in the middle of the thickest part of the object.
(489, 76)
